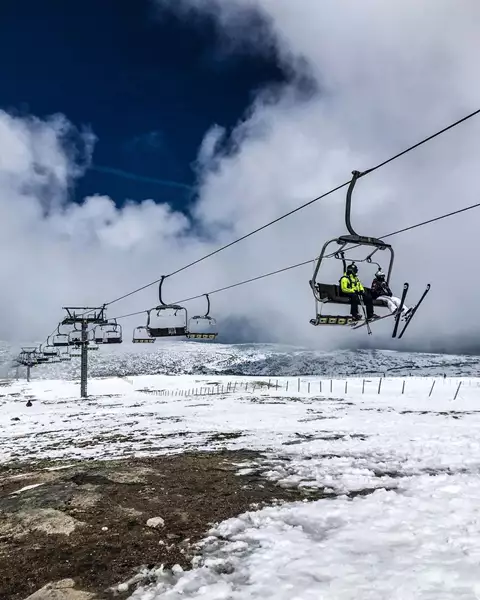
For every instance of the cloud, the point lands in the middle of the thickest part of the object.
(382, 75)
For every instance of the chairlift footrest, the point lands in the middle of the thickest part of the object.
(332, 320)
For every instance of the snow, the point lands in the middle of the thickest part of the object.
(419, 542)
(396, 461)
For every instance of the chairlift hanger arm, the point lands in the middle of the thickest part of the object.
(208, 305)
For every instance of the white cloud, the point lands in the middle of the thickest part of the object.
(386, 74)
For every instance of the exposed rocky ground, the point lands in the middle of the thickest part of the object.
(97, 523)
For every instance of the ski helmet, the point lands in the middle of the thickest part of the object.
(380, 275)
(352, 268)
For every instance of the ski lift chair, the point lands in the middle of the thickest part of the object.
(202, 327)
(91, 343)
(170, 319)
(49, 349)
(141, 336)
(113, 334)
(99, 334)
(328, 293)
(75, 338)
(60, 340)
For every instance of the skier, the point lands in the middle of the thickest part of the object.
(381, 291)
(351, 286)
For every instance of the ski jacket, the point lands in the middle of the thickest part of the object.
(351, 284)
(380, 288)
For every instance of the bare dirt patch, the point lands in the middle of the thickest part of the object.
(88, 521)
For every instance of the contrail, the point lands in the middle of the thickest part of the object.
(133, 176)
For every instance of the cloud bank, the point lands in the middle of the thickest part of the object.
(367, 80)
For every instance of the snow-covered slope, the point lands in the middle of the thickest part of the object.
(175, 358)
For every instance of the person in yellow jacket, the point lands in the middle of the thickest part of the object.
(351, 286)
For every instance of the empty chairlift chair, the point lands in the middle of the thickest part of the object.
(60, 340)
(113, 333)
(141, 336)
(167, 320)
(202, 327)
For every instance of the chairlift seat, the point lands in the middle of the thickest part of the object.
(329, 292)
(143, 340)
(60, 341)
(157, 332)
(112, 337)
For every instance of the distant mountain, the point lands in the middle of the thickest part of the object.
(267, 360)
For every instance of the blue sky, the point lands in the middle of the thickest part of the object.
(148, 84)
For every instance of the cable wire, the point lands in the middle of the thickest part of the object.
(298, 208)
(306, 262)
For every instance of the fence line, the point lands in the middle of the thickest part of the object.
(377, 386)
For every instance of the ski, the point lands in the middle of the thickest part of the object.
(363, 323)
(414, 310)
(367, 321)
(399, 310)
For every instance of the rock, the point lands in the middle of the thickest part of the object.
(48, 520)
(156, 522)
(61, 590)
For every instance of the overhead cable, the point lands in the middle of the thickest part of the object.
(298, 208)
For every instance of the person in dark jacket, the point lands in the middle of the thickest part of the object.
(351, 286)
(381, 291)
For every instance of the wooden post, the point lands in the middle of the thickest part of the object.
(286, 387)
(346, 385)
(458, 389)
(431, 389)
(298, 384)
(308, 387)
(403, 386)
(320, 386)
(331, 385)
(276, 385)
(379, 384)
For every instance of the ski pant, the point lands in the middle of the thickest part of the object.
(355, 303)
(393, 303)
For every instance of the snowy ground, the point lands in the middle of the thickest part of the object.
(400, 472)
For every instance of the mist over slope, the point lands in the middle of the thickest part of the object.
(266, 360)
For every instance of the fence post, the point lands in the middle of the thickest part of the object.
(346, 385)
(276, 385)
(379, 384)
(320, 386)
(235, 387)
(246, 385)
(308, 387)
(431, 389)
(458, 389)
(298, 384)
(363, 386)
(403, 386)
(286, 387)
(331, 385)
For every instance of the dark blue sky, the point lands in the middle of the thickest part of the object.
(147, 83)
